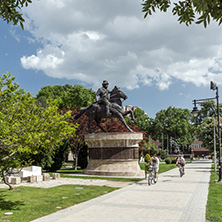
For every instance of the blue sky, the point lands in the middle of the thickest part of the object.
(156, 61)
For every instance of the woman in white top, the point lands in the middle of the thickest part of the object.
(155, 164)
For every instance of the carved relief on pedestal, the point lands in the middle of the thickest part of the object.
(113, 153)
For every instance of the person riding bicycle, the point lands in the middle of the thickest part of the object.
(181, 161)
(154, 162)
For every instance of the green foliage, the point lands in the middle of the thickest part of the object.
(149, 147)
(26, 128)
(67, 96)
(10, 11)
(162, 167)
(59, 156)
(41, 101)
(168, 160)
(173, 161)
(141, 119)
(188, 11)
(174, 122)
(147, 158)
(204, 124)
(163, 154)
(83, 155)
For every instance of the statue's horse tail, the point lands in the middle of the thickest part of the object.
(81, 111)
(79, 114)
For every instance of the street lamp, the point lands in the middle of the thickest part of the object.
(195, 111)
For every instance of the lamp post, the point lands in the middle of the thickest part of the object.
(215, 152)
(195, 111)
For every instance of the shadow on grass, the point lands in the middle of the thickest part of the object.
(8, 204)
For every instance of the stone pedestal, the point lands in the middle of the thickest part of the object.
(55, 176)
(15, 180)
(114, 154)
(32, 179)
(46, 176)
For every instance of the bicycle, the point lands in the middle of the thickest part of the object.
(181, 170)
(151, 176)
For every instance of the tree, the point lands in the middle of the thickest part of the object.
(141, 120)
(59, 157)
(187, 10)
(204, 123)
(50, 161)
(10, 11)
(174, 122)
(149, 147)
(115, 125)
(163, 154)
(77, 140)
(27, 128)
(68, 95)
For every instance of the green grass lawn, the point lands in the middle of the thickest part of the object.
(162, 168)
(214, 203)
(29, 203)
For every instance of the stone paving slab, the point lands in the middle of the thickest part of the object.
(172, 199)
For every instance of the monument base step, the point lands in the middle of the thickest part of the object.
(138, 174)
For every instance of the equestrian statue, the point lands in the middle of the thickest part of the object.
(106, 107)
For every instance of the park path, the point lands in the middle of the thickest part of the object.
(172, 199)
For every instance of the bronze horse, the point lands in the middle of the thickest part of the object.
(96, 111)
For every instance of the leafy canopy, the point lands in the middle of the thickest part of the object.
(68, 95)
(188, 11)
(10, 11)
(205, 122)
(174, 122)
(141, 119)
(26, 127)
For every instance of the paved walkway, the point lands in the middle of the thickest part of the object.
(172, 199)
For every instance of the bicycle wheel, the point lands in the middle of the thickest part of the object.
(181, 172)
(155, 179)
(149, 180)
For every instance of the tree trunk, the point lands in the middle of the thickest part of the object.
(76, 162)
(11, 187)
(75, 158)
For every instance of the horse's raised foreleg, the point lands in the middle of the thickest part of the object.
(98, 122)
(120, 117)
(131, 114)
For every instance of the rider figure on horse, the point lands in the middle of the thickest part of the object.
(103, 93)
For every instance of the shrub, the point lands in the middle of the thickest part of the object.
(163, 154)
(82, 159)
(147, 158)
(59, 156)
(174, 160)
(168, 161)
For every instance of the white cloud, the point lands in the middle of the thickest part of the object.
(15, 35)
(91, 41)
